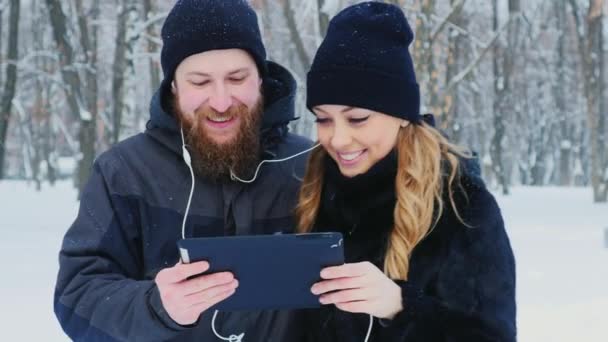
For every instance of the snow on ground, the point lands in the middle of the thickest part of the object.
(32, 225)
(562, 263)
(557, 236)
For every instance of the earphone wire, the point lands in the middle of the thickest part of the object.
(257, 170)
(369, 329)
(188, 161)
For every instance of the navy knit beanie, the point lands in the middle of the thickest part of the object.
(364, 62)
(195, 26)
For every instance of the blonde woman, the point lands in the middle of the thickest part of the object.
(427, 255)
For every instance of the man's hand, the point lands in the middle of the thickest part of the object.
(185, 299)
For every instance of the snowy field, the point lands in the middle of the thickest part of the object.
(557, 235)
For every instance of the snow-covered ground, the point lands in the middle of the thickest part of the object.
(557, 235)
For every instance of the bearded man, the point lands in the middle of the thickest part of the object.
(222, 108)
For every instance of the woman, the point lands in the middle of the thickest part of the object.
(427, 255)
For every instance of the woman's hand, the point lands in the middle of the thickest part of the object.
(359, 288)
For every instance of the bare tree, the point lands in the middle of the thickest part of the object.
(590, 46)
(323, 18)
(296, 35)
(88, 41)
(426, 69)
(548, 75)
(566, 129)
(11, 78)
(455, 56)
(69, 71)
(149, 10)
(119, 68)
(503, 86)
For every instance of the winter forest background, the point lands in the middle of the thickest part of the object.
(523, 83)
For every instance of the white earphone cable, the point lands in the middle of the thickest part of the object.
(257, 170)
(188, 161)
(369, 329)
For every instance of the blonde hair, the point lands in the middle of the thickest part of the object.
(422, 150)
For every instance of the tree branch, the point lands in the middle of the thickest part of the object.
(461, 75)
(456, 8)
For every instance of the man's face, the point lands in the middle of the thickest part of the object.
(218, 101)
(213, 83)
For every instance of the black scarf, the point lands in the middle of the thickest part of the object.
(360, 207)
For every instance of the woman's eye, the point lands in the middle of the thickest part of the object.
(358, 120)
(199, 84)
(322, 120)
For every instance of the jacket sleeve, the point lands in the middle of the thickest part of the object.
(474, 299)
(100, 293)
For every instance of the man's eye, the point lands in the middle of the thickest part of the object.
(199, 84)
(237, 79)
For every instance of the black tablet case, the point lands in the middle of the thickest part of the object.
(274, 271)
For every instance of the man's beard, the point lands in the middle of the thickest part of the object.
(214, 161)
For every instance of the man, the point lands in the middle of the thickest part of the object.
(119, 277)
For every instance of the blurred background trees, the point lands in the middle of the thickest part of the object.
(523, 83)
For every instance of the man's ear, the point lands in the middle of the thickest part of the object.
(173, 87)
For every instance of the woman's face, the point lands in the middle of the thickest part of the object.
(355, 138)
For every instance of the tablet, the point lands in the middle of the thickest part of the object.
(274, 271)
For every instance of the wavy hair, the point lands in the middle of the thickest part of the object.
(426, 160)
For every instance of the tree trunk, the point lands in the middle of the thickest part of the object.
(323, 18)
(59, 23)
(295, 35)
(503, 99)
(426, 69)
(566, 140)
(74, 96)
(152, 47)
(602, 128)
(496, 149)
(10, 86)
(593, 94)
(119, 69)
(1, 34)
(88, 132)
(456, 50)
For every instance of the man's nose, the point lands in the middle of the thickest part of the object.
(220, 100)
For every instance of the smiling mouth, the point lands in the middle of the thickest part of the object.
(220, 119)
(350, 156)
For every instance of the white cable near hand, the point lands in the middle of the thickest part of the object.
(188, 161)
(369, 329)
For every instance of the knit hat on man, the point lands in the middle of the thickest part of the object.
(196, 26)
(364, 62)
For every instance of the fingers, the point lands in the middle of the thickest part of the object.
(345, 296)
(196, 309)
(181, 272)
(337, 284)
(205, 282)
(347, 270)
(185, 297)
(213, 295)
